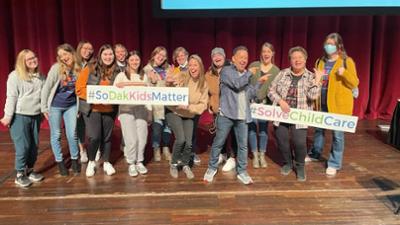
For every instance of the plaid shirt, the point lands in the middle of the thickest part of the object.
(307, 90)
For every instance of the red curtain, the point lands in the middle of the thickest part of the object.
(41, 25)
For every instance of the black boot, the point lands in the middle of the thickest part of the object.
(76, 167)
(300, 172)
(63, 170)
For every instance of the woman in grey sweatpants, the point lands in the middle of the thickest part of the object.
(134, 118)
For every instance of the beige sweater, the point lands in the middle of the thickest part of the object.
(198, 100)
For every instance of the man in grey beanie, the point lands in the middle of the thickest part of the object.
(218, 50)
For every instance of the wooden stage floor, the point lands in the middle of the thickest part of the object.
(365, 191)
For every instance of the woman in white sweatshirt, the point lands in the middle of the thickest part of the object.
(134, 118)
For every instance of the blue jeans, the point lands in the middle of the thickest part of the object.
(262, 134)
(69, 115)
(337, 148)
(160, 133)
(224, 126)
(24, 131)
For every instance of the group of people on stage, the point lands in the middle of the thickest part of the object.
(226, 90)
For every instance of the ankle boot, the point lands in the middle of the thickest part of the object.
(76, 166)
(263, 163)
(166, 153)
(300, 172)
(157, 154)
(62, 169)
(256, 161)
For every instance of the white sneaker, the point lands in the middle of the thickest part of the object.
(84, 158)
(91, 169)
(98, 155)
(221, 158)
(209, 175)
(108, 168)
(141, 168)
(132, 170)
(245, 178)
(310, 159)
(330, 171)
(229, 165)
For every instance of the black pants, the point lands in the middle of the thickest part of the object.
(299, 138)
(183, 132)
(196, 119)
(99, 128)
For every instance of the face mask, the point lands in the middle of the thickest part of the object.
(330, 49)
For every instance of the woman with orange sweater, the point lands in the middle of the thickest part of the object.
(99, 118)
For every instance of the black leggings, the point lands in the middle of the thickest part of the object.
(99, 128)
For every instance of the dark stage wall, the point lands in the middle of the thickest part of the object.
(41, 25)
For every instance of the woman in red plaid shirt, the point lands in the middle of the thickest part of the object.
(294, 87)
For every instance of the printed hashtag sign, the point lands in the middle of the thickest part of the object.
(305, 117)
(133, 95)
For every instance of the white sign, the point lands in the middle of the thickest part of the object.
(305, 117)
(137, 95)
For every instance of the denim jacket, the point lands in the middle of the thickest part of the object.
(231, 84)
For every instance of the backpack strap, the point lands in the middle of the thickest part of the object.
(345, 62)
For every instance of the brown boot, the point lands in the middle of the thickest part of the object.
(166, 153)
(256, 162)
(157, 155)
(263, 163)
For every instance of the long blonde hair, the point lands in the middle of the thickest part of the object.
(64, 69)
(202, 79)
(20, 65)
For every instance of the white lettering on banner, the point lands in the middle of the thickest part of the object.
(305, 117)
(134, 95)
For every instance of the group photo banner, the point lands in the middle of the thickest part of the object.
(137, 95)
(324, 120)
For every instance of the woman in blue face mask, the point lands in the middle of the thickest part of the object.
(338, 81)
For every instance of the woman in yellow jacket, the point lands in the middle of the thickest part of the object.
(338, 81)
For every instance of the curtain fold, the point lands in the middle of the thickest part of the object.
(41, 25)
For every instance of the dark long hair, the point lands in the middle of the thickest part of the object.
(139, 70)
(79, 56)
(339, 45)
(103, 70)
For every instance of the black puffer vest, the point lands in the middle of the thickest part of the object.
(93, 79)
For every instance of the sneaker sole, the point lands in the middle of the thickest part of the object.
(20, 185)
(241, 180)
(308, 160)
(227, 170)
(109, 174)
(209, 182)
(36, 180)
(285, 174)
(301, 180)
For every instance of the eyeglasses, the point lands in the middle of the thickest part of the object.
(33, 58)
(87, 49)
